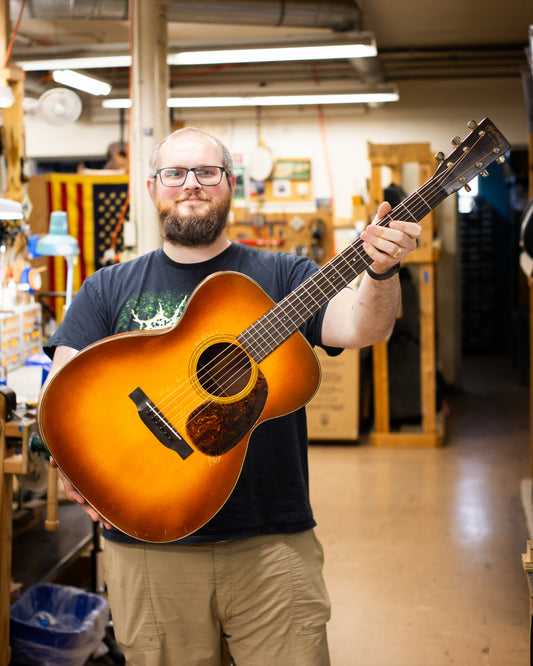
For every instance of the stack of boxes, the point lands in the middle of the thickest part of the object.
(20, 335)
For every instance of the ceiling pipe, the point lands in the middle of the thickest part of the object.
(369, 70)
(336, 15)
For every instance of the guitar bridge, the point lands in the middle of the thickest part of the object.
(158, 425)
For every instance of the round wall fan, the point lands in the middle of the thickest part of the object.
(59, 106)
(261, 163)
(261, 160)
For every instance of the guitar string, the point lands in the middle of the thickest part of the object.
(363, 258)
(238, 370)
(309, 303)
(230, 373)
(311, 307)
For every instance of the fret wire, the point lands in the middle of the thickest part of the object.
(334, 271)
(280, 326)
(418, 196)
(264, 330)
(276, 334)
(325, 276)
(309, 295)
(356, 264)
(315, 293)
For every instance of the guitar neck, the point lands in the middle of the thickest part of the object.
(284, 319)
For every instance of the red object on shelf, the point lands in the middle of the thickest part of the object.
(263, 242)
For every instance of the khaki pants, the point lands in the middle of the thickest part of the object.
(262, 599)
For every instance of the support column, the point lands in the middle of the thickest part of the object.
(12, 117)
(149, 113)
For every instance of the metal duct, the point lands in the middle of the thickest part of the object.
(103, 10)
(337, 15)
(369, 70)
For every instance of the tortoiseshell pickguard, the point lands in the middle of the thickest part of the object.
(215, 427)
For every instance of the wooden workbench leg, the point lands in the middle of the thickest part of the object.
(530, 281)
(6, 533)
(380, 362)
(527, 562)
(428, 372)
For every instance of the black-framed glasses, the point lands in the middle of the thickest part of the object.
(176, 176)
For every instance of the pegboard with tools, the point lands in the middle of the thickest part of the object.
(303, 234)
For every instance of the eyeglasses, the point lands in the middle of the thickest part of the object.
(176, 176)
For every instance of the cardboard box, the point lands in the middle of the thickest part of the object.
(334, 411)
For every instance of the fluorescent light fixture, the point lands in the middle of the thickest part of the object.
(117, 103)
(363, 45)
(88, 84)
(7, 98)
(282, 100)
(93, 62)
(363, 97)
(282, 54)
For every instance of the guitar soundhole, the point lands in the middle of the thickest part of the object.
(224, 370)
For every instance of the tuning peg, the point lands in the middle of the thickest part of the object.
(501, 159)
(471, 124)
(456, 140)
(484, 173)
(439, 156)
(467, 188)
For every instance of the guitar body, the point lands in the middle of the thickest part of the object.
(147, 426)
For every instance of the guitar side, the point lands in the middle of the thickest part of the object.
(90, 415)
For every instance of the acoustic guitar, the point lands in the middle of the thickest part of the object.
(152, 427)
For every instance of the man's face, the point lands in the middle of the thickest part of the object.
(191, 214)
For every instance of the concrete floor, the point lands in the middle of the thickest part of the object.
(423, 547)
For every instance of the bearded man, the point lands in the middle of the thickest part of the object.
(247, 586)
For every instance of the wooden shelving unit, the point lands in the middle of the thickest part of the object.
(430, 432)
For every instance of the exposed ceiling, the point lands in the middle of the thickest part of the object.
(416, 39)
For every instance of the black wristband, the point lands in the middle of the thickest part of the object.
(383, 276)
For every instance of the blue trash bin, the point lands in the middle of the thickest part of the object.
(56, 625)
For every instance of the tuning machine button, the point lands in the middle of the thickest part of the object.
(456, 141)
(471, 124)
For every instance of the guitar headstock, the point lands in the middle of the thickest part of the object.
(484, 145)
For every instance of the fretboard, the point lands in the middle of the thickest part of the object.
(282, 320)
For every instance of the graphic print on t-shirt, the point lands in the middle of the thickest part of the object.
(147, 312)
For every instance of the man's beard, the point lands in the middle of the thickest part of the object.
(194, 229)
